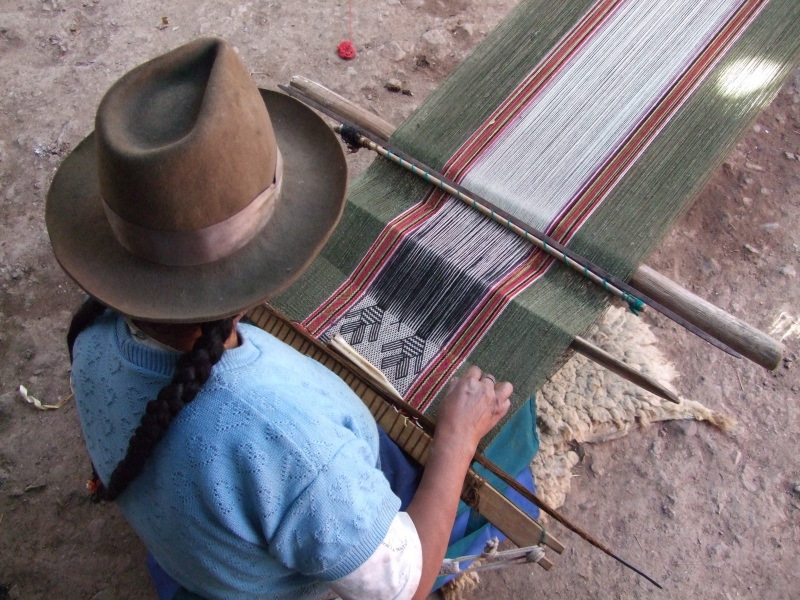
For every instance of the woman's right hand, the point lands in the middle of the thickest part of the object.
(473, 405)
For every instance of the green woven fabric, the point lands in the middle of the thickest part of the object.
(528, 340)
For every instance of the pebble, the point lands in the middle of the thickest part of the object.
(393, 85)
(750, 249)
(765, 191)
(747, 201)
(667, 510)
(796, 488)
(788, 271)
(395, 51)
(790, 155)
(754, 167)
(750, 480)
(757, 128)
(709, 266)
(770, 226)
(687, 427)
(434, 37)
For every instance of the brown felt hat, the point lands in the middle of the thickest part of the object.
(198, 195)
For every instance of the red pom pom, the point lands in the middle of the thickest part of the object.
(346, 50)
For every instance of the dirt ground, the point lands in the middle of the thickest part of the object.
(710, 515)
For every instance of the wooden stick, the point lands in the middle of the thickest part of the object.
(627, 372)
(429, 426)
(749, 341)
(335, 102)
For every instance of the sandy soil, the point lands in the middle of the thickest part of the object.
(708, 514)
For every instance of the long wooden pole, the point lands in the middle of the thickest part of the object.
(368, 371)
(745, 339)
(355, 136)
(749, 341)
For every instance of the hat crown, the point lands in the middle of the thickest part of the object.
(184, 141)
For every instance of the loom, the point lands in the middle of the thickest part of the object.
(595, 121)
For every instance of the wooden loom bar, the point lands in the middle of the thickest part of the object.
(478, 493)
(603, 358)
(749, 341)
(334, 101)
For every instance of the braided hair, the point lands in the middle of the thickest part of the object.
(192, 370)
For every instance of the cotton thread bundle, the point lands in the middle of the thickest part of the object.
(346, 49)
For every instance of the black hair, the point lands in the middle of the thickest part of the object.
(192, 370)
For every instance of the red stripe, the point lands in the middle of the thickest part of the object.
(563, 228)
(441, 368)
(378, 254)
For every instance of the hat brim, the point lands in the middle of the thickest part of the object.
(311, 203)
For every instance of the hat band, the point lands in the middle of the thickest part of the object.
(200, 246)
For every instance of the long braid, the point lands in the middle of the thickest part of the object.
(192, 370)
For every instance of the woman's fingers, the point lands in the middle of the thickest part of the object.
(473, 373)
(503, 390)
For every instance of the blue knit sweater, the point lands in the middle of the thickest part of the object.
(265, 486)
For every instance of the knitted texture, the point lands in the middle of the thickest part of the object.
(268, 484)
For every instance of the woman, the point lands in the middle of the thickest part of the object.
(248, 470)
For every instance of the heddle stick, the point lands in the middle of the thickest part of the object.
(752, 343)
(358, 137)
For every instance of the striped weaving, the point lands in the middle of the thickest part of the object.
(598, 139)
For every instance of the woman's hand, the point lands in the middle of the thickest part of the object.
(473, 405)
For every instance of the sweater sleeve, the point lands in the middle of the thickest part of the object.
(338, 521)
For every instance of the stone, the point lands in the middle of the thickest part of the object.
(393, 85)
(434, 37)
(687, 427)
(395, 51)
(788, 271)
(750, 249)
(709, 266)
(770, 226)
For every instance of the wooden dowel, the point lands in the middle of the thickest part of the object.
(319, 93)
(745, 339)
(604, 359)
(750, 342)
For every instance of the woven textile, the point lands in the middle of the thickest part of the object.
(595, 122)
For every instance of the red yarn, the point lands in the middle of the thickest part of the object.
(346, 50)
